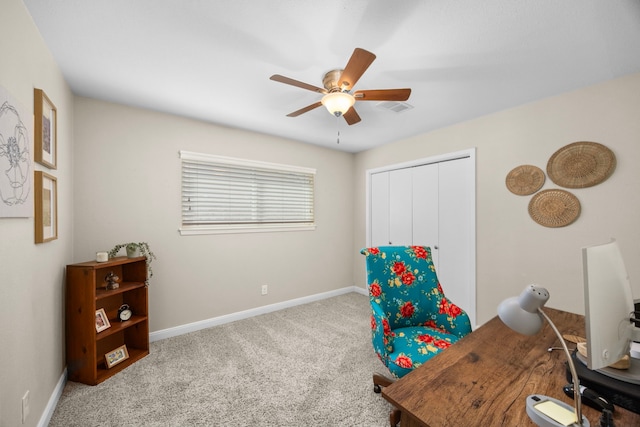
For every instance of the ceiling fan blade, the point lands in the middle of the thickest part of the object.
(296, 83)
(357, 65)
(382, 95)
(351, 116)
(305, 109)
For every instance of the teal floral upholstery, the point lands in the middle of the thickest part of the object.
(411, 319)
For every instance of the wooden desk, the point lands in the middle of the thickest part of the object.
(484, 379)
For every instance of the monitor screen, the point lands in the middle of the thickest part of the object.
(608, 305)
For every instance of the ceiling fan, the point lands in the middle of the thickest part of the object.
(339, 97)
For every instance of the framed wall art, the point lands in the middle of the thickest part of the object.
(46, 207)
(116, 356)
(46, 127)
(102, 322)
(16, 160)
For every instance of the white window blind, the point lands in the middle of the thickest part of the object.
(224, 194)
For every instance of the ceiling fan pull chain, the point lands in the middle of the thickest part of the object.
(338, 129)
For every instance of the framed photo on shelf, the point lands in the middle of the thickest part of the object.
(46, 129)
(116, 356)
(102, 322)
(46, 207)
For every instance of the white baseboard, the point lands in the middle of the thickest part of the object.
(360, 290)
(220, 320)
(53, 400)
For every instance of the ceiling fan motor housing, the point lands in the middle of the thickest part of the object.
(330, 81)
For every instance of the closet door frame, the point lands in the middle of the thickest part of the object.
(471, 225)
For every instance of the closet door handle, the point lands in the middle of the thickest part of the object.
(435, 247)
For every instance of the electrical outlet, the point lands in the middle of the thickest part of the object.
(264, 289)
(25, 406)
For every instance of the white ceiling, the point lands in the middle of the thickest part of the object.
(211, 60)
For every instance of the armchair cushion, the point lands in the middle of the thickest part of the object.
(414, 345)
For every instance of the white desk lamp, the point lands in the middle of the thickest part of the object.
(524, 315)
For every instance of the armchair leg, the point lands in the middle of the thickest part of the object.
(380, 381)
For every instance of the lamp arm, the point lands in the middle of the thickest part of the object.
(574, 375)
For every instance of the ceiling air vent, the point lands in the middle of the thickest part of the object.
(395, 106)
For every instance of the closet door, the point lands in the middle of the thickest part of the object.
(426, 209)
(401, 207)
(379, 209)
(392, 208)
(431, 203)
(456, 270)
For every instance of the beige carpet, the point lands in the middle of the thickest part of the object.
(309, 365)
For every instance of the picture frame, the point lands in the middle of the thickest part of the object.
(46, 207)
(116, 356)
(102, 321)
(46, 130)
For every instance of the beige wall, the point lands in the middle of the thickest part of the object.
(512, 250)
(31, 275)
(129, 190)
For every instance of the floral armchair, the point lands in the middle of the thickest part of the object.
(411, 319)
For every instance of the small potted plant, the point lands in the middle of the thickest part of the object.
(135, 250)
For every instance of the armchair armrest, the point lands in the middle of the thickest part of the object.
(452, 319)
(381, 334)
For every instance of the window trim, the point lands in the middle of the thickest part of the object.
(186, 230)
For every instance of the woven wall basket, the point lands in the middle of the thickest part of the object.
(525, 179)
(581, 164)
(554, 208)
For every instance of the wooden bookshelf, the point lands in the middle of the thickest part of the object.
(85, 294)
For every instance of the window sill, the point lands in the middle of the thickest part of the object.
(237, 229)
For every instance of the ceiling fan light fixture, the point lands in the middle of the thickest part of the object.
(338, 103)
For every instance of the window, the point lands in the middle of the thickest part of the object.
(227, 195)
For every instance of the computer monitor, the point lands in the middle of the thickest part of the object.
(608, 308)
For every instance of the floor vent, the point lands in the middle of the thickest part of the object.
(395, 106)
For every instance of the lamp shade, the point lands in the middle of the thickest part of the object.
(338, 103)
(521, 313)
